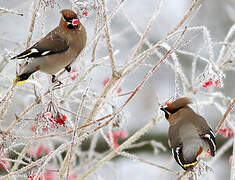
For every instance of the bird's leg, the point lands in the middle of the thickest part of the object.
(68, 68)
(55, 80)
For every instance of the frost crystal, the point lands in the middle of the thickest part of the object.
(210, 76)
(86, 7)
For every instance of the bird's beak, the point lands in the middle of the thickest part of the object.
(167, 114)
(164, 109)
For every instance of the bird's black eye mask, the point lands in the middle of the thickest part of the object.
(72, 23)
(167, 112)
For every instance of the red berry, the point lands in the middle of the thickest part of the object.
(168, 103)
(230, 132)
(84, 11)
(119, 90)
(115, 135)
(4, 163)
(74, 74)
(105, 81)
(75, 22)
(217, 83)
(31, 177)
(208, 83)
(222, 130)
(64, 118)
(231, 160)
(73, 177)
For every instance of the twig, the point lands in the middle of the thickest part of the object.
(68, 157)
(4, 10)
(36, 6)
(184, 18)
(99, 31)
(232, 177)
(98, 121)
(154, 15)
(97, 40)
(131, 156)
(222, 150)
(107, 35)
(21, 156)
(181, 176)
(9, 94)
(20, 117)
(230, 107)
(123, 146)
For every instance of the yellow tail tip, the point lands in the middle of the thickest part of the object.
(191, 164)
(18, 82)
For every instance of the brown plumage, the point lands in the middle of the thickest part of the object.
(189, 134)
(181, 102)
(67, 13)
(57, 50)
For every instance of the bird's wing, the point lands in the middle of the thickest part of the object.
(173, 136)
(51, 44)
(176, 145)
(205, 133)
(209, 137)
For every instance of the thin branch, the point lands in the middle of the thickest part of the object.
(232, 177)
(131, 156)
(70, 152)
(107, 35)
(187, 14)
(20, 117)
(36, 6)
(123, 146)
(11, 11)
(230, 107)
(154, 15)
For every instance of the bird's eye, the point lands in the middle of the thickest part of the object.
(71, 26)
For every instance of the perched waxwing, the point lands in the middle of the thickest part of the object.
(190, 136)
(57, 50)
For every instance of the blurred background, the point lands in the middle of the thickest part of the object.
(215, 15)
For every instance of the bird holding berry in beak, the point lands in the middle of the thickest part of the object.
(57, 50)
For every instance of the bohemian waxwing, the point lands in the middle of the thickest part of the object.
(57, 50)
(189, 134)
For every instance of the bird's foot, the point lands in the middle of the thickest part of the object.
(68, 68)
(56, 81)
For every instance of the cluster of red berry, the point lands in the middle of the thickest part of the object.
(4, 164)
(106, 80)
(74, 74)
(50, 176)
(58, 119)
(210, 82)
(227, 132)
(115, 135)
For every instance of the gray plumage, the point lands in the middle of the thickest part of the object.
(189, 133)
(57, 50)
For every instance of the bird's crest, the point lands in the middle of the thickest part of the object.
(179, 103)
(68, 14)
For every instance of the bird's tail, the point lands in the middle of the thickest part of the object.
(21, 78)
(17, 81)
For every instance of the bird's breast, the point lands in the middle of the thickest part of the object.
(54, 63)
